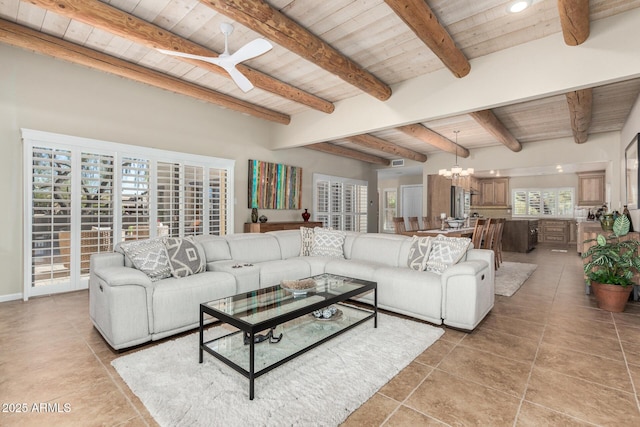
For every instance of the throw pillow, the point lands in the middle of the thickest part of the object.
(306, 233)
(445, 252)
(419, 252)
(184, 257)
(328, 243)
(148, 256)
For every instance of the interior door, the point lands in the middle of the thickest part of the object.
(411, 201)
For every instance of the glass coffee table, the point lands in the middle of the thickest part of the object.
(275, 325)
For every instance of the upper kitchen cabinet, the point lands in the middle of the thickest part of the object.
(494, 192)
(590, 188)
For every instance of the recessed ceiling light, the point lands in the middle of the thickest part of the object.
(518, 6)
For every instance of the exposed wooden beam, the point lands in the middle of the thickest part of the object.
(419, 17)
(339, 150)
(494, 126)
(371, 141)
(26, 38)
(425, 134)
(574, 20)
(271, 23)
(115, 21)
(580, 111)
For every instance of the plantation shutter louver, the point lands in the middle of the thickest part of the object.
(51, 215)
(135, 198)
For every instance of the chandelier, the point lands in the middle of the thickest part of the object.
(456, 171)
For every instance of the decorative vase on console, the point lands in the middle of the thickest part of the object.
(263, 219)
(254, 215)
(306, 215)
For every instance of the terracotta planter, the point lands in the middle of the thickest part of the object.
(612, 297)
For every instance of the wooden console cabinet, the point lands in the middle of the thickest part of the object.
(263, 227)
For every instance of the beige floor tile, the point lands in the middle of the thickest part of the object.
(509, 325)
(584, 342)
(584, 366)
(435, 353)
(581, 399)
(372, 413)
(407, 417)
(493, 371)
(406, 381)
(531, 415)
(499, 343)
(457, 401)
(520, 312)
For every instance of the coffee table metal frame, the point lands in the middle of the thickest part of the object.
(277, 319)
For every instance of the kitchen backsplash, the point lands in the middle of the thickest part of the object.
(492, 212)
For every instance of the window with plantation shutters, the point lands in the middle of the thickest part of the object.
(85, 196)
(340, 203)
(541, 202)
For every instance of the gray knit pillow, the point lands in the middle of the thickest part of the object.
(419, 252)
(185, 258)
(148, 256)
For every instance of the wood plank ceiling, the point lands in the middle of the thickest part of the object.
(331, 50)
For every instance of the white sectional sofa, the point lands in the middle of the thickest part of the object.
(128, 308)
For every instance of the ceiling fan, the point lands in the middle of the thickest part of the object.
(229, 61)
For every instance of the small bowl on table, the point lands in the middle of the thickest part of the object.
(455, 223)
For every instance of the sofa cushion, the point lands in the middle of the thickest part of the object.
(419, 252)
(215, 248)
(273, 272)
(306, 245)
(148, 256)
(383, 249)
(184, 256)
(328, 243)
(289, 241)
(445, 252)
(253, 247)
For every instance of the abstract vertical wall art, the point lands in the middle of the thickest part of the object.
(274, 185)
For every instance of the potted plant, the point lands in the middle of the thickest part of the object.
(611, 264)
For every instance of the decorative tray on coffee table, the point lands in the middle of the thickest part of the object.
(298, 287)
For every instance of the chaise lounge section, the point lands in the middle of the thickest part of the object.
(129, 308)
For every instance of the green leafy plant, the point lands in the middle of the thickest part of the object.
(613, 261)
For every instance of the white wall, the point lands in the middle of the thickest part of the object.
(38, 92)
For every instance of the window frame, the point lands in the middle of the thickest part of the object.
(541, 214)
(337, 218)
(78, 147)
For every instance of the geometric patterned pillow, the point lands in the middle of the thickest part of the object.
(306, 233)
(148, 256)
(419, 252)
(445, 252)
(328, 243)
(184, 257)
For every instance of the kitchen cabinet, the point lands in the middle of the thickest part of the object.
(573, 232)
(519, 235)
(591, 188)
(494, 192)
(553, 231)
(438, 197)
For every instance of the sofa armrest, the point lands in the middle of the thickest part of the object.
(106, 259)
(464, 268)
(122, 276)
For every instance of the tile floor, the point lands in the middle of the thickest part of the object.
(545, 356)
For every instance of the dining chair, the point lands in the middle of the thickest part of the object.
(426, 223)
(479, 232)
(497, 241)
(413, 223)
(398, 224)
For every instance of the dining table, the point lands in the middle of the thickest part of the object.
(449, 232)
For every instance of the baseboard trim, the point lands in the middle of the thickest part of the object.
(10, 297)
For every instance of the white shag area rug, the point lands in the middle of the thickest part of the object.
(511, 275)
(321, 387)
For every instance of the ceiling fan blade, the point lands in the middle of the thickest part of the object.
(211, 59)
(240, 79)
(250, 50)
